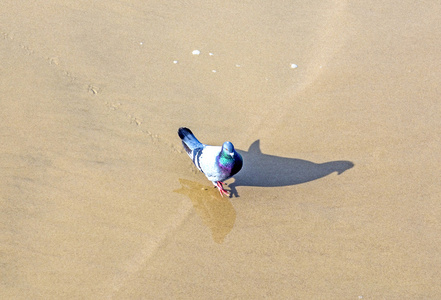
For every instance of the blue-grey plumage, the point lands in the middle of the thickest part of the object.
(216, 162)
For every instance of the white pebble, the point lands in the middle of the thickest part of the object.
(175, 61)
(238, 66)
(196, 52)
(211, 54)
(293, 66)
(214, 71)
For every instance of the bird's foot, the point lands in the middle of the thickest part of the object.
(221, 189)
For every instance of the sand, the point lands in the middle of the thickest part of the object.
(339, 197)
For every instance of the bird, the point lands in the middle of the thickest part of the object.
(218, 163)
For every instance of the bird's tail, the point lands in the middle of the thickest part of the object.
(189, 141)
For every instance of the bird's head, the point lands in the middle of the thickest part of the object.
(228, 149)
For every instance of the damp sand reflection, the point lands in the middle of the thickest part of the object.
(217, 213)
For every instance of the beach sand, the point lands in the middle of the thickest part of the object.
(334, 106)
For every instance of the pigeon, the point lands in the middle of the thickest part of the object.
(216, 162)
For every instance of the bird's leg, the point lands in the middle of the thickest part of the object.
(221, 189)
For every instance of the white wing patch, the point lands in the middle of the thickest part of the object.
(208, 162)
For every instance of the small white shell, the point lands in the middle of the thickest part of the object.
(196, 52)
(293, 66)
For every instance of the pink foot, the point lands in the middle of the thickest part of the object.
(221, 189)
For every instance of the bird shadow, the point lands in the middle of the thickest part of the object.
(271, 171)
